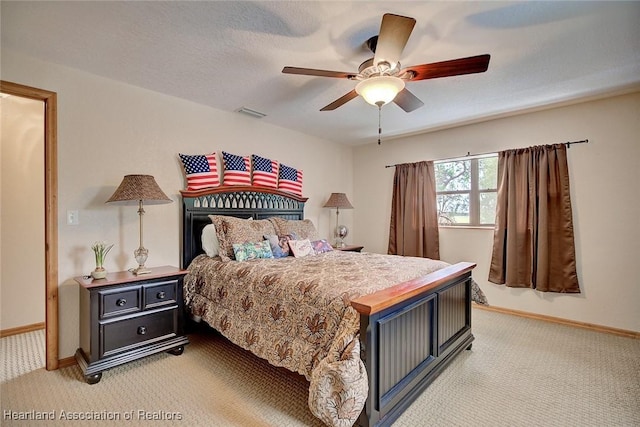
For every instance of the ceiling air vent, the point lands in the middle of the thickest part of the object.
(250, 112)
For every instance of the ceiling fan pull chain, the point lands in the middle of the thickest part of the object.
(379, 122)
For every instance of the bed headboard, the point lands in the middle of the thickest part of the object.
(238, 201)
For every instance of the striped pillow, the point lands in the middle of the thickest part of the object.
(237, 169)
(265, 171)
(290, 179)
(201, 171)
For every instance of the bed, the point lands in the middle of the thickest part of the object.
(368, 331)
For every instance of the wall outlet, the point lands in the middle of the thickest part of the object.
(73, 218)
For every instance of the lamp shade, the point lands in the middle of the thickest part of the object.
(139, 188)
(379, 90)
(338, 200)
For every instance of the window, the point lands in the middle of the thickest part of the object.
(466, 191)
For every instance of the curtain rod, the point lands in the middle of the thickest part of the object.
(568, 144)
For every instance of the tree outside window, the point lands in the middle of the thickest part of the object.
(466, 191)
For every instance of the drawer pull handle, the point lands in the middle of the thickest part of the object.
(161, 295)
(142, 330)
(121, 302)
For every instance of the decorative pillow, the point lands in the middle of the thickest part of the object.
(304, 229)
(210, 243)
(280, 244)
(232, 230)
(301, 248)
(201, 171)
(321, 246)
(290, 179)
(246, 251)
(265, 171)
(236, 169)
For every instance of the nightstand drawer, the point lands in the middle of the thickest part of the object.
(127, 334)
(160, 294)
(123, 301)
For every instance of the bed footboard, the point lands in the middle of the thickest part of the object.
(409, 333)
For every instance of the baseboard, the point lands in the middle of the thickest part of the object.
(21, 329)
(583, 325)
(66, 362)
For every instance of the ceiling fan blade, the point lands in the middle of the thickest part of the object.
(394, 34)
(319, 73)
(341, 101)
(407, 101)
(454, 67)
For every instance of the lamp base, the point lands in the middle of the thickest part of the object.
(141, 255)
(141, 270)
(341, 232)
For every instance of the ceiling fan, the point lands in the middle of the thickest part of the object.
(381, 78)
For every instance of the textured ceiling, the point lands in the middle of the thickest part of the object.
(230, 54)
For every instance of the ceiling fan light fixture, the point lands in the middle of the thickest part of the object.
(379, 90)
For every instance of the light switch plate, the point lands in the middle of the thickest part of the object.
(73, 218)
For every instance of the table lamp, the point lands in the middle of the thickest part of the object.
(139, 188)
(339, 200)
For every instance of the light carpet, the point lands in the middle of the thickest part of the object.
(520, 372)
(21, 353)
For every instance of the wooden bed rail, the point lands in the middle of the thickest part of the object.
(378, 301)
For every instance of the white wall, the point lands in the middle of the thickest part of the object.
(107, 129)
(22, 271)
(604, 174)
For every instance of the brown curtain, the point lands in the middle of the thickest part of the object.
(414, 216)
(533, 239)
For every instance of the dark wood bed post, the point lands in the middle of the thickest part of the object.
(434, 311)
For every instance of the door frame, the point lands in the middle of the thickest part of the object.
(50, 210)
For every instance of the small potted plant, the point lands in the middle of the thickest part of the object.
(100, 250)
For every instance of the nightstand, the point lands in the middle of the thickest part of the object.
(125, 317)
(350, 248)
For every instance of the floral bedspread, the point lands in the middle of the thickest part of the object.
(296, 313)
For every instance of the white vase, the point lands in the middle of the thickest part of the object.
(99, 273)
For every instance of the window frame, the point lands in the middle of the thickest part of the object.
(474, 191)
